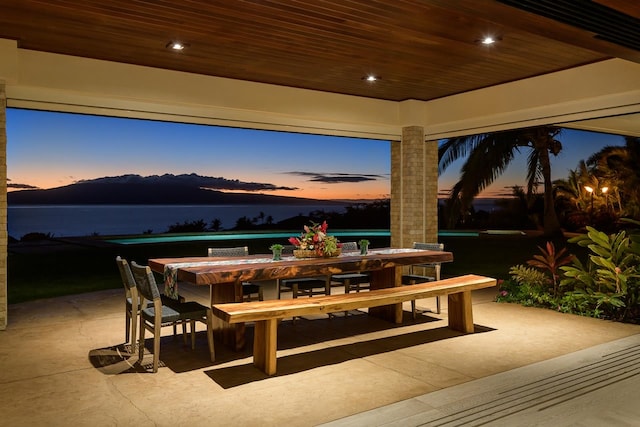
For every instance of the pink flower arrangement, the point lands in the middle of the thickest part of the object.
(315, 238)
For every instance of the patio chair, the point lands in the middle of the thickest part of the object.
(155, 315)
(132, 298)
(412, 278)
(303, 286)
(351, 281)
(250, 291)
(132, 301)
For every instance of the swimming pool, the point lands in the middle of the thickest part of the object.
(237, 236)
(281, 235)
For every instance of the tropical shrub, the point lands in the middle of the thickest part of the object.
(527, 286)
(188, 227)
(605, 285)
(550, 260)
(609, 284)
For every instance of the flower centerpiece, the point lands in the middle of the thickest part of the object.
(315, 242)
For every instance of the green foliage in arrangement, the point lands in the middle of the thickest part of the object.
(605, 285)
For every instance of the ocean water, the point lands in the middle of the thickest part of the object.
(107, 220)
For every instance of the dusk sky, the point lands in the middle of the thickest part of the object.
(47, 150)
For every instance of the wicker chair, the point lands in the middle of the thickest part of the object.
(355, 281)
(303, 286)
(250, 291)
(154, 314)
(412, 278)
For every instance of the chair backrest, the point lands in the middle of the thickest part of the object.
(349, 247)
(128, 281)
(146, 282)
(288, 249)
(224, 252)
(429, 246)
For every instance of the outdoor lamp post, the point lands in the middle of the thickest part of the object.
(590, 190)
(606, 198)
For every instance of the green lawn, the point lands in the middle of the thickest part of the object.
(77, 269)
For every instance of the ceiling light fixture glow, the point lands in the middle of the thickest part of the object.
(488, 40)
(371, 78)
(173, 45)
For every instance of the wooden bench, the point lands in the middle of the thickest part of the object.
(266, 314)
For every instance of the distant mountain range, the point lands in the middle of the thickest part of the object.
(165, 189)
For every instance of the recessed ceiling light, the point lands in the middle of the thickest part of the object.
(371, 78)
(488, 40)
(175, 45)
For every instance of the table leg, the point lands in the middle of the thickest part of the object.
(387, 278)
(232, 335)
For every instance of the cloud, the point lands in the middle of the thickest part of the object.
(336, 178)
(22, 186)
(234, 184)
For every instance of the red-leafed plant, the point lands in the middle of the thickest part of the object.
(551, 261)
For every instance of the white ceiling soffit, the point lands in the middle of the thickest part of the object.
(626, 124)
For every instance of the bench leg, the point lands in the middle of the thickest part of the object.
(460, 312)
(265, 343)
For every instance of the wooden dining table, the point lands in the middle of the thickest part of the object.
(225, 276)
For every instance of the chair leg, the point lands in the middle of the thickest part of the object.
(127, 326)
(347, 289)
(193, 334)
(141, 341)
(438, 267)
(156, 346)
(134, 330)
(294, 294)
(413, 302)
(184, 331)
(212, 350)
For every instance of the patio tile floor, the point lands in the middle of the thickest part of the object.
(63, 362)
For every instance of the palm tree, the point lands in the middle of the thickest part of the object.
(490, 154)
(570, 191)
(216, 224)
(574, 204)
(619, 168)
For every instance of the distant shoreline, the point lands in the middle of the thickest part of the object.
(122, 219)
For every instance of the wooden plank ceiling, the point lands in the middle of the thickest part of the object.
(421, 49)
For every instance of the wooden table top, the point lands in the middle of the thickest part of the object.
(209, 271)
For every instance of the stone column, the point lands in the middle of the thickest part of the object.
(414, 189)
(3, 207)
